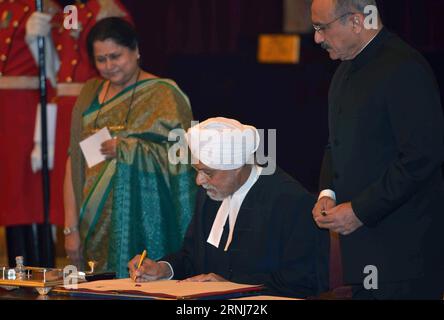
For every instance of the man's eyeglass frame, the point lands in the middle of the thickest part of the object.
(324, 26)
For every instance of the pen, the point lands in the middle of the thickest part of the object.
(140, 263)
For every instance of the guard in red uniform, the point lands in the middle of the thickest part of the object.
(21, 207)
(75, 69)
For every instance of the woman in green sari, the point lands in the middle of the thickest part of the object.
(136, 199)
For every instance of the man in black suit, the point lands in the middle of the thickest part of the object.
(381, 172)
(248, 227)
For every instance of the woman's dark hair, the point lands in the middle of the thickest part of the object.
(116, 29)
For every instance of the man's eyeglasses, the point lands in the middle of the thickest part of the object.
(324, 26)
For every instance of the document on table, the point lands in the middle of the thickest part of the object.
(91, 147)
(171, 289)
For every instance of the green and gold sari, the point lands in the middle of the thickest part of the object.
(139, 200)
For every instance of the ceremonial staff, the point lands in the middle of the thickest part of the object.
(47, 259)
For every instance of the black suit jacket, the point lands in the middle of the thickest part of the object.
(275, 241)
(385, 154)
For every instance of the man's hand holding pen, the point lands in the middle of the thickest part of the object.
(149, 270)
(144, 269)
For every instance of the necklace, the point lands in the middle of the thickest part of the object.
(119, 127)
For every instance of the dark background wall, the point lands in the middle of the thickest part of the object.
(209, 48)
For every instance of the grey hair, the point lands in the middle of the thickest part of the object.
(344, 6)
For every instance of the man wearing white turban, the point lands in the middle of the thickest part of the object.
(247, 227)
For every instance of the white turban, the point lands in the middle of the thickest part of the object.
(223, 144)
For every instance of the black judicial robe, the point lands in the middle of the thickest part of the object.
(275, 240)
(385, 153)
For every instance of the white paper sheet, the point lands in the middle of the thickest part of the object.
(91, 147)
